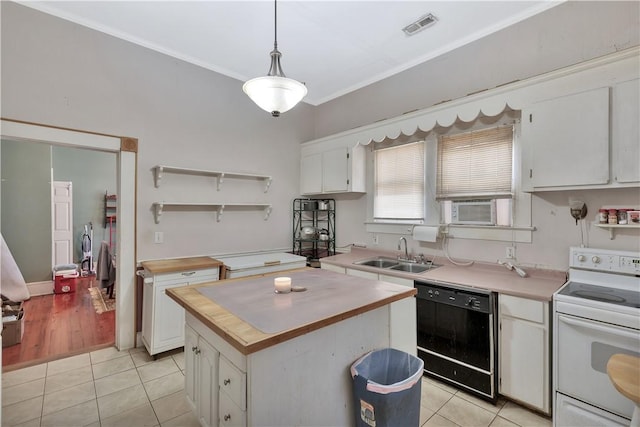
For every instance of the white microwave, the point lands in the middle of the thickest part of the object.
(476, 212)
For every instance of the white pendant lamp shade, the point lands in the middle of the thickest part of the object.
(275, 94)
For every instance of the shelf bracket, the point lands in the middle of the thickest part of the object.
(267, 184)
(220, 211)
(220, 179)
(157, 175)
(611, 233)
(267, 212)
(157, 211)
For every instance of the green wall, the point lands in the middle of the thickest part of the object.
(26, 206)
(25, 218)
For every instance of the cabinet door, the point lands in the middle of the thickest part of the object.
(335, 170)
(168, 319)
(190, 365)
(568, 140)
(311, 174)
(207, 393)
(624, 133)
(523, 360)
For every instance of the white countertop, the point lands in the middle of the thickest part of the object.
(538, 285)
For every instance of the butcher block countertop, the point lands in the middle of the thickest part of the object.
(232, 308)
(538, 285)
(180, 264)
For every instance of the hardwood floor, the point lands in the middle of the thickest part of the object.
(60, 325)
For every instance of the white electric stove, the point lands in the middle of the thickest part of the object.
(596, 315)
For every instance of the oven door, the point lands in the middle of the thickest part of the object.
(583, 350)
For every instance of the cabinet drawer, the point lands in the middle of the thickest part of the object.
(190, 276)
(233, 383)
(522, 308)
(230, 414)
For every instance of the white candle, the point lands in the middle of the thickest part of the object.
(282, 284)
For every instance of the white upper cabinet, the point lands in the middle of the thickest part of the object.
(566, 141)
(584, 140)
(625, 134)
(334, 170)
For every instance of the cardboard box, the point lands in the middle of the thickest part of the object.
(12, 328)
(64, 284)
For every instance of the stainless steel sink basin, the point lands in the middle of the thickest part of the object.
(378, 262)
(413, 268)
(385, 263)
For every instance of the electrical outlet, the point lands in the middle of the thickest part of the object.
(511, 252)
(375, 239)
(158, 237)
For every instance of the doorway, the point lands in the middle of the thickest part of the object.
(126, 152)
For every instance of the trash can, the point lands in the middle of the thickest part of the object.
(386, 389)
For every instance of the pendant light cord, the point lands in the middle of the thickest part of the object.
(275, 24)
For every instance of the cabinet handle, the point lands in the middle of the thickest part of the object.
(227, 417)
(188, 273)
(227, 381)
(195, 349)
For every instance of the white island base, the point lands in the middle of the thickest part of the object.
(301, 381)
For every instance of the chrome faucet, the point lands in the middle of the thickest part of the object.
(406, 250)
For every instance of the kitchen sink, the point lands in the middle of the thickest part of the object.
(385, 263)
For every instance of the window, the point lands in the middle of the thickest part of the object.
(399, 183)
(476, 165)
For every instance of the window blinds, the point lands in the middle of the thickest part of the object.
(475, 164)
(399, 183)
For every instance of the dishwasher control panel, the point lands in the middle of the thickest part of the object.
(469, 299)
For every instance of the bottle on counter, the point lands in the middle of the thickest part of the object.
(613, 216)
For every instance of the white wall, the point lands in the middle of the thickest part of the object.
(58, 73)
(564, 35)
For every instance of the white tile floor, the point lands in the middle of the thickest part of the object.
(112, 388)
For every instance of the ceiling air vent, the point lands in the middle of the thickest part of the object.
(419, 25)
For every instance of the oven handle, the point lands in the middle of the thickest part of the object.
(590, 325)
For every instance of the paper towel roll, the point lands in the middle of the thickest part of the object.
(425, 233)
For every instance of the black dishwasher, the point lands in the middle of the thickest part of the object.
(457, 336)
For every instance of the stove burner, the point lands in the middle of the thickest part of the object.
(599, 296)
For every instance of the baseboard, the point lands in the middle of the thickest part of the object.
(40, 288)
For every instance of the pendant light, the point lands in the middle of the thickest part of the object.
(275, 93)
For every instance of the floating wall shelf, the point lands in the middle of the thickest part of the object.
(613, 227)
(159, 207)
(159, 170)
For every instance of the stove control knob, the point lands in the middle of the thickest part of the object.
(437, 293)
(595, 259)
(470, 301)
(581, 258)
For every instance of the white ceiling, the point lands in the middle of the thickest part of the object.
(334, 47)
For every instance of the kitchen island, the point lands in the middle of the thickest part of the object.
(254, 357)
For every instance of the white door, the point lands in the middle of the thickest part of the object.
(62, 222)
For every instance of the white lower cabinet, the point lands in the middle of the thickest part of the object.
(402, 313)
(215, 387)
(163, 318)
(524, 351)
